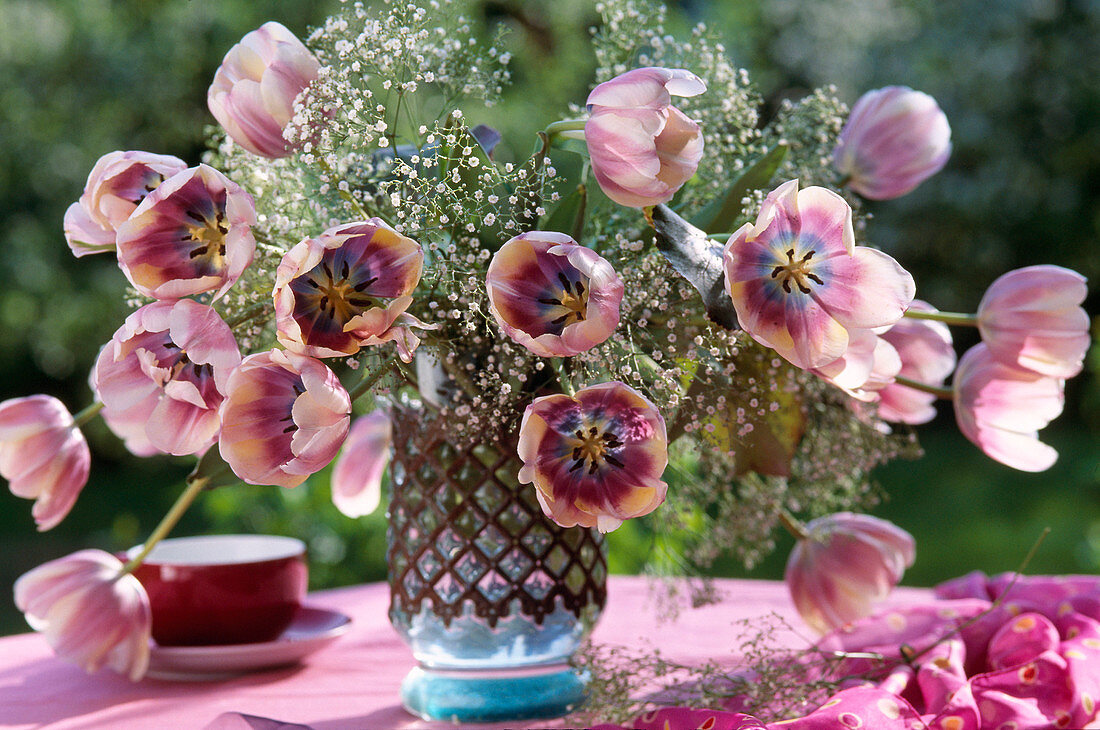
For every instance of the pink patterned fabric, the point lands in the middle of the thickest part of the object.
(963, 662)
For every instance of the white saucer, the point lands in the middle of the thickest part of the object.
(311, 629)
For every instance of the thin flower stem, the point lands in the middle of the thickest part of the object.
(793, 525)
(194, 486)
(722, 237)
(87, 414)
(938, 391)
(248, 314)
(345, 194)
(957, 318)
(564, 369)
(371, 378)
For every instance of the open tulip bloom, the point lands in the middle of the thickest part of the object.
(163, 376)
(799, 283)
(553, 296)
(189, 236)
(596, 458)
(349, 288)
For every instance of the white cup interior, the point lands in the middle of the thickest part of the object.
(222, 549)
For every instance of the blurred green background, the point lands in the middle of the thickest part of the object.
(1018, 79)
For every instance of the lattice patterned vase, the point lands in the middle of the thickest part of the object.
(492, 596)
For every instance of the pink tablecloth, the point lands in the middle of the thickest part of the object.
(353, 683)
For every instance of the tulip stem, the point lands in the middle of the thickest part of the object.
(793, 525)
(370, 379)
(564, 369)
(939, 391)
(194, 486)
(87, 414)
(345, 194)
(249, 314)
(722, 237)
(957, 318)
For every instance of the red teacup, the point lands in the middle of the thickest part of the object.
(223, 589)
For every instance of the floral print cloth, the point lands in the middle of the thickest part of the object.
(966, 661)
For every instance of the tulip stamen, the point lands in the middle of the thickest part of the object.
(592, 448)
(798, 271)
(210, 237)
(335, 296)
(573, 299)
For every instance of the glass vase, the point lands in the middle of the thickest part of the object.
(492, 597)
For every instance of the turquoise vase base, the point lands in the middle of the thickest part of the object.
(450, 696)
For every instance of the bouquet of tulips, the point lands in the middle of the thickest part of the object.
(666, 273)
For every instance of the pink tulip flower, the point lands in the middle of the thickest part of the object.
(117, 184)
(90, 611)
(642, 148)
(43, 455)
(1032, 317)
(868, 365)
(349, 288)
(596, 459)
(163, 376)
(284, 417)
(552, 295)
(927, 356)
(894, 140)
(799, 283)
(1001, 407)
(193, 234)
(357, 475)
(254, 89)
(844, 566)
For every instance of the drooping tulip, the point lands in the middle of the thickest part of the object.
(927, 356)
(357, 474)
(642, 148)
(596, 458)
(43, 455)
(1002, 407)
(1032, 317)
(349, 288)
(90, 612)
(254, 89)
(799, 283)
(552, 295)
(117, 184)
(193, 234)
(844, 566)
(163, 376)
(284, 417)
(894, 139)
